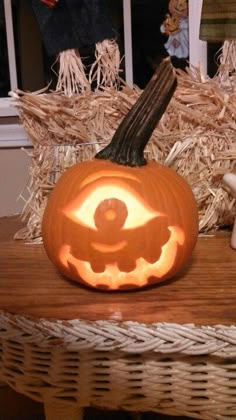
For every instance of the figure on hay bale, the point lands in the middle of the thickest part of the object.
(71, 26)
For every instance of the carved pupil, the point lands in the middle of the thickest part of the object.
(110, 214)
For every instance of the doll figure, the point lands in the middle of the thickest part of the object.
(175, 26)
(178, 38)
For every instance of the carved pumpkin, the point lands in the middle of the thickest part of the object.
(116, 226)
(178, 8)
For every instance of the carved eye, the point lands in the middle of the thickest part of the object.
(82, 210)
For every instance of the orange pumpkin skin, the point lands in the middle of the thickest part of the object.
(178, 8)
(119, 227)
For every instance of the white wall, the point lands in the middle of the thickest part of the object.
(14, 170)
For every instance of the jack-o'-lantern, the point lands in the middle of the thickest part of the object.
(117, 221)
(178, 8)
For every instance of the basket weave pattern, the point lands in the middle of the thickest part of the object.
(168, 368)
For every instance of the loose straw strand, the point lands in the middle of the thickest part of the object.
(71, 78)
(105, 69)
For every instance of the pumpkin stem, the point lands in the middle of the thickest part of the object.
(129, 141)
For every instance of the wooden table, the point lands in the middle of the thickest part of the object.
(203, 295)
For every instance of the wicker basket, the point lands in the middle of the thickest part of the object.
(166, 368)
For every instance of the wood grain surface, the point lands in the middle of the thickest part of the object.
(204, 293)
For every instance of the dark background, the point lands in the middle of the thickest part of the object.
(34, 67)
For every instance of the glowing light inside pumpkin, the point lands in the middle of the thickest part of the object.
(107, 174)
(114, 278)
(109, 248)
(110, 214)
(82, 209)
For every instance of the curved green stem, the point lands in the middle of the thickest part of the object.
(129, 141)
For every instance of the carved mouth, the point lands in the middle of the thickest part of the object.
(104, 248)
(113, 278)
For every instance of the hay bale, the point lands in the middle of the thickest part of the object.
(196, 136)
